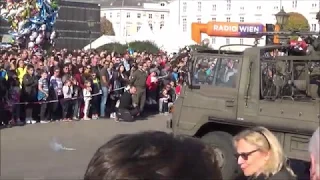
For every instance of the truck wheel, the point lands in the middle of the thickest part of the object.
(223, 146)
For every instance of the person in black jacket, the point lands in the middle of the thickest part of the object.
(127, 110)
(96, 89)
(29, 94)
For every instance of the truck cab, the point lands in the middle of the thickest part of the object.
(261, 86)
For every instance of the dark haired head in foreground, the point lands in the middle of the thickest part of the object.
(151, 156)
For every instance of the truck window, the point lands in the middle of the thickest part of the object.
(228, 73)
(291, 77)
(205, 70)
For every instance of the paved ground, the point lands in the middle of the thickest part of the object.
(26, 152)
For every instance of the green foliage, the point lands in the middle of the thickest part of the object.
(137, 46)
(116, 47)
(147, 46)
(296, 22)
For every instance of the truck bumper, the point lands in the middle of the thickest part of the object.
(169, 123)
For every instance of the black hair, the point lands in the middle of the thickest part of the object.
(153, 155)
(29, 66)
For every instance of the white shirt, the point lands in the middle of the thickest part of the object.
(86, 95)
(67, 91)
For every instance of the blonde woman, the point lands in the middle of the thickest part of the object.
(260, 155)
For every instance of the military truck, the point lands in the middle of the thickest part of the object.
(261, 86)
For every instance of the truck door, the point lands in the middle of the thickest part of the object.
(214, 91)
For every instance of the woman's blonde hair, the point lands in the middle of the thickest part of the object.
(266, 141)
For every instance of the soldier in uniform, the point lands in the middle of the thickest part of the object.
(138, 80)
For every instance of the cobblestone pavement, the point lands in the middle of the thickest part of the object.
(26, 152)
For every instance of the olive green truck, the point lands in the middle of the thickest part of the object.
(261, 86)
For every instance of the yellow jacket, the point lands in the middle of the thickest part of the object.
(21, 72)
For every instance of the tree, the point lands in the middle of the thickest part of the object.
(116, 47)
(296, 22)
(106, 27)
(147, 46)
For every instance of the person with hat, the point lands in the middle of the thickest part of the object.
(138, 80)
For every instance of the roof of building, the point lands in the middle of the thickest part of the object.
(128, 3)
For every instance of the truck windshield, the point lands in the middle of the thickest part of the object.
(215, 70)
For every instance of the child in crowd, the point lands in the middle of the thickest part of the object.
(178, 88)
(87, 98)
(14, 97)
(95, 102)
(67, 90)
(43, 94)
(163, 102)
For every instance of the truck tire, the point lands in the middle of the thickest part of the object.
(222, 143)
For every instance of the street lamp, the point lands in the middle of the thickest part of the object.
(91, 23)
(282, 18)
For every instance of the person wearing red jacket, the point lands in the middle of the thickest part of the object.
(152, 86)
(79, 84)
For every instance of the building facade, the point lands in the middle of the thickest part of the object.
(72, 24)
(185, 12)
(127, 16)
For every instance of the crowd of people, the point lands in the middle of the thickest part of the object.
(84, 85)
(158, 155)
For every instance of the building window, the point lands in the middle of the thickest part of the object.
(128, 15)
(241, 19)
(118, 14)
(228, 19)
(162, 4)
(229, 1)
(151, 27)
(199, 20)
(275, 7)
(314, 5)
(313, 27)
(139, 15)
(105, 15)
(214, 19)
(184, 24)
(111, 15)
(184, 7)
(259, 7)
(242, 8)
(228, 7)
(127, 30)
(162, 16)
(213, 40)
(294, 3)
(199, 6)
(161, 25)
(227, 41)
(241, 41)
(150, 16)
(138, 28)
(214, 7)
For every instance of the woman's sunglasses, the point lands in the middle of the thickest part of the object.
(245, 155)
